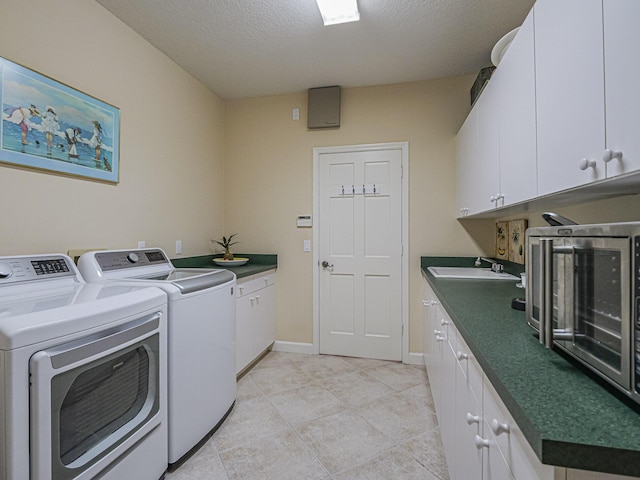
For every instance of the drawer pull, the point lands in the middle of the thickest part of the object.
(481, 442)
(471, 419)
(499, 428)
(585, 164)
(611, 154)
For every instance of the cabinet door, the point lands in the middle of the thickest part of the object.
(244, 332)
(446, 414)
(509, 438)
(485, 172)
(468, 422)
(494, 465)
(622, 80)
(518, 160)
(569, 93)
(429, 304)
(466, 157)
(264, 328)
(434, 369)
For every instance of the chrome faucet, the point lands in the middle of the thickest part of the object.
(495, 266)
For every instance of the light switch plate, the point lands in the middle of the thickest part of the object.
(307, 245)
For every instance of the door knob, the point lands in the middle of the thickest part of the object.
(326, 264)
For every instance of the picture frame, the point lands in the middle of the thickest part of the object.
(517, 230)
(502, 241)
(47, 125)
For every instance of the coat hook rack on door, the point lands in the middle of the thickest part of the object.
(371, 189)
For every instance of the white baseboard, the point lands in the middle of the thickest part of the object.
(293, 347)
(307, 348)
(415, 359)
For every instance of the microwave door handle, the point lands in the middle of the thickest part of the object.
(546, 289)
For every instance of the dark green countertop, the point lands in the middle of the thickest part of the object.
(257, 263)
(570, 417)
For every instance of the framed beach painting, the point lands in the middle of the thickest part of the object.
(50, 126)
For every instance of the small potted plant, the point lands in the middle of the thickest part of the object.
(226, 243)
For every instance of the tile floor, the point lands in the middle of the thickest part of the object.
(308, 417)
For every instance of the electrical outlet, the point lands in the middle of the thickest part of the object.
(178, 247)
(307, 245)
(296, 114)
(142, 244)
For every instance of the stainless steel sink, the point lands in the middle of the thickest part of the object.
(472, 273)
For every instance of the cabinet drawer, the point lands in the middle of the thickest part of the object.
(249, 285)
(469, 367)
(514, 447)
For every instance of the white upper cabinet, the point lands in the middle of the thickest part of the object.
(622, 84)
(497, 143)
(486, 167)
(466, 154)
(517, 94)
(561, 110)
(570, 93)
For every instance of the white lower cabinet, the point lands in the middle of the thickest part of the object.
(480, 438)
(255, 317)
(468, 418)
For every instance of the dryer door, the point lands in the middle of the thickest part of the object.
(93, 398)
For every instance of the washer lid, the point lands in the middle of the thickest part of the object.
(193, 279)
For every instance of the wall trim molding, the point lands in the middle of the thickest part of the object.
(293, 347)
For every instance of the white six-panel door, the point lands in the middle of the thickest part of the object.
(360, 239)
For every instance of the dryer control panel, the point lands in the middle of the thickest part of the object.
(122, 259)
(38, 267)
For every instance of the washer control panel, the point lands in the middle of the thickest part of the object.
(41, 267)
(109, 261)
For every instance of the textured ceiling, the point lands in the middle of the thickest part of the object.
(249, 48)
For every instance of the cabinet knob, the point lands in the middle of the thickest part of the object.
(481, 442)
(585, 163)
(471, 419)
(257, 298)
(610, 155)
(443, 322)
(499, 428)
(461, 356)
(426, 303)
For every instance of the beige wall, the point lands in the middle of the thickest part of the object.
(171, 140)
(269, 180)
(618, 209)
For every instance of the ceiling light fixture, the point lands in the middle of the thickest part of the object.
(338, 11)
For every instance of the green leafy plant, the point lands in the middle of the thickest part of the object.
(226, 243)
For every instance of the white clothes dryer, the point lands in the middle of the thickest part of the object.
(201, 338)
(82, 375)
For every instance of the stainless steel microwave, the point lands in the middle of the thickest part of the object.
(583, 296)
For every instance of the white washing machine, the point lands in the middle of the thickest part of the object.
(82, 375)
(201, 338)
